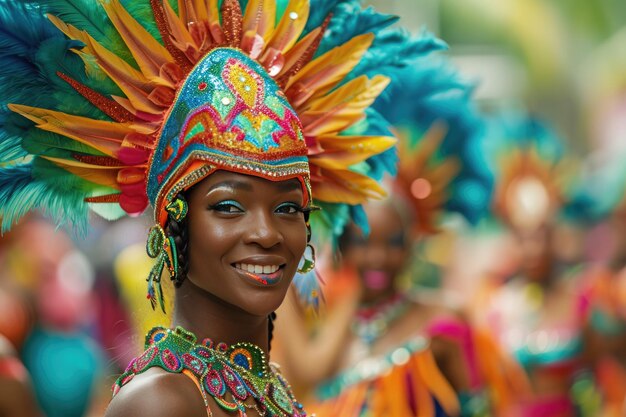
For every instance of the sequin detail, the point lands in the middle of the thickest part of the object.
(228, 113)
(231, 375)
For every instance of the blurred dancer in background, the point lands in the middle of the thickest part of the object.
(381, 343)
(17, 397)
(536, 308)
(63, 359)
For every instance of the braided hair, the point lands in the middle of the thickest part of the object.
(270, 334)
(179, 230)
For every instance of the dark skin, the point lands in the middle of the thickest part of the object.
(233, 219)
(386, 250)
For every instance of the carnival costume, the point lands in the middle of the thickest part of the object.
(111, 106)
(439, 172)
(535, 187)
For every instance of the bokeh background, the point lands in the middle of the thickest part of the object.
(82, 298)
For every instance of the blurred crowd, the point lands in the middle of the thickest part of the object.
(495, 271)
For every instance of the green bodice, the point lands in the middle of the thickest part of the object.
(236, 377)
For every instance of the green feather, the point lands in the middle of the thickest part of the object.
(142, 13)
(41, 142)
(88, 15)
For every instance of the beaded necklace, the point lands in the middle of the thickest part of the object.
(373, 322)
(237, 377)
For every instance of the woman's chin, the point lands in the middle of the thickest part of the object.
(263, 303)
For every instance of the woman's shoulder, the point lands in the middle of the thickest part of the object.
(156, 393)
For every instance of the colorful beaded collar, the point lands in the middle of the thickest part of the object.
(237, 377)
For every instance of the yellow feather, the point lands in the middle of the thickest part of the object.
(211, 14)
(200, 8)
(366, 145)
(178, 29)
(103, 177)
(293, 54)
(72, 32)
(344, 186)
(182, 11)
(132, 82)
(342, 107)
(325, 72)
(102, 135)
(290, 26)
(266, 23)
(147, 51)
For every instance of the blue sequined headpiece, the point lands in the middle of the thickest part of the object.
(229, 114)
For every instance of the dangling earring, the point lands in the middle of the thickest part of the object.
(163, 248)
(177, 209)
(308, 264)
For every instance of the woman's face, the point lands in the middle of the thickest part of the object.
(535, 250)
(380, 257)
(246, 237)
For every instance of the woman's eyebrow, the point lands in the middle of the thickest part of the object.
(232, 185)
(285, 186)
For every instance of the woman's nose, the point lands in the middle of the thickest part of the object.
(263, 229)
(377, 256)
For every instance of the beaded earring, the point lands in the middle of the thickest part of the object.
(163, 248)
(308, 264)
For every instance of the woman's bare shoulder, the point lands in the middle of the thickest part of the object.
(157, 393)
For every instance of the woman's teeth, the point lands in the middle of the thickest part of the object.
(258, 269)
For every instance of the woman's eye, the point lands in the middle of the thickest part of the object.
(289, 208)
(397, 240)
(227, 207)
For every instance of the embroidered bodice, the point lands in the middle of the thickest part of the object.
(237, 377)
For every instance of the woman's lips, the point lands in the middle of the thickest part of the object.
(376, 280)
(271, 277)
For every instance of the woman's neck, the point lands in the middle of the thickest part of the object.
(207, 316)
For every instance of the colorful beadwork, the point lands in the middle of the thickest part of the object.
(233, 377)
(239, 119)
(177, 209)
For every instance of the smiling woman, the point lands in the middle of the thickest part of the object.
(247, 236)
(230, 118)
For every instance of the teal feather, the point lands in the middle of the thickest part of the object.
(53, 55)
(142, 13)
(89, 15)
(427, 90)
(10, 148)
(318, 11)
(20, 193)
(10, 143)
(350, 20)
(396, 48)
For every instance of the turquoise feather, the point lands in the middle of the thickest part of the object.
(20, 193)
(88, 15)
(427, 90)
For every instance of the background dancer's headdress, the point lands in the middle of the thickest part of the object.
(536, 181)
(125, 103)
(440, 168)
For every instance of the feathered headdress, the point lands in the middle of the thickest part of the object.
(534, 177)
(440, 167)
(115, 104)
